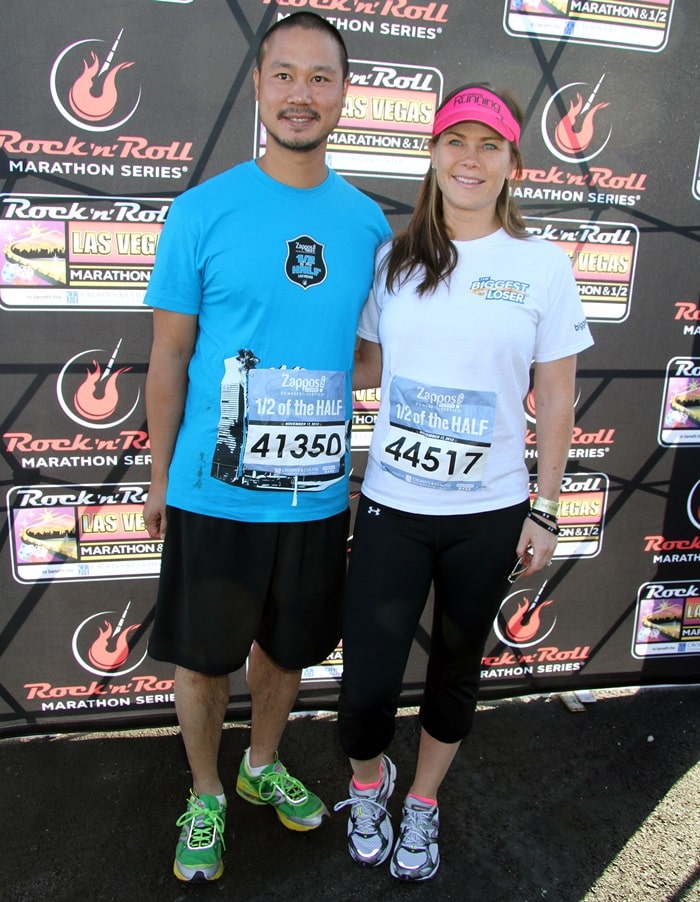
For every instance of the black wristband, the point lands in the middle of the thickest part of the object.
(548, 526)
(545, 515)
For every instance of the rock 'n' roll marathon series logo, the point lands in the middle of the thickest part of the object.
(526, 630)
(95, 85)
(99, 390)
(111, 645)
(577, 125)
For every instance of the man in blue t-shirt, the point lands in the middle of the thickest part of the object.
(259, 279)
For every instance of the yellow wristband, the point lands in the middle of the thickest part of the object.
(548, 507)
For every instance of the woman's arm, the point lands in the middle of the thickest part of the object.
(554, 409)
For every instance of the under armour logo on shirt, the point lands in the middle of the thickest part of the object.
(374, 510)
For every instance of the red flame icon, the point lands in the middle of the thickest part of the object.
(573, 136)
(107, 655)
(525, 623)
(86, 399)
(93, 395)
(94, 94)
(91, 106)
(575, 131)
(101, 656)
(95, 401)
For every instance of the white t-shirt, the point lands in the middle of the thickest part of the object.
(450, 433)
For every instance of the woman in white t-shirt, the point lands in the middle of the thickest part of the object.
(464, 302)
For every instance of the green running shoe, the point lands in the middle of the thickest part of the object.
(296, 807)
(198, 853)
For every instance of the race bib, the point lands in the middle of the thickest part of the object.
(438, 437)
(296, 423)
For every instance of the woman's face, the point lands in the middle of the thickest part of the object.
(471, 162)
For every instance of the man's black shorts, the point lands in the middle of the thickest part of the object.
(225, 583)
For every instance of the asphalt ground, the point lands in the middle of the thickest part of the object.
(542, 803)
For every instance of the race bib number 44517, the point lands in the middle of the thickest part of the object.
(438, 437)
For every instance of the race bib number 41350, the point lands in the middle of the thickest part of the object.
(438, 437)
(296, 422)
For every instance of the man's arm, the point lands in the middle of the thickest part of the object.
(174, 336)
(367, 371)
(554, 409)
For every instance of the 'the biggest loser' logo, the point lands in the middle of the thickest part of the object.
(92, 87)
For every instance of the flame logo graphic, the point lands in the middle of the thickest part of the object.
(96, 401)
(86, 399)
(525, 627)
(84, 99)
(109, 651)
(99, 653)
(525, 623)
(92, 101)
(574, 136)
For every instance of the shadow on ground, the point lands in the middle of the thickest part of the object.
(541, 804)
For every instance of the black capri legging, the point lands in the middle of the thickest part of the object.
(395, 558)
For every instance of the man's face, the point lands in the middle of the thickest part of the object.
(300, 88)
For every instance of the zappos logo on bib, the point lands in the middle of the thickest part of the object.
(305, 265)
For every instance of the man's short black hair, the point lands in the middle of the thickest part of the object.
(310, 21)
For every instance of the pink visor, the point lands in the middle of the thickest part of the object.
(478, 105)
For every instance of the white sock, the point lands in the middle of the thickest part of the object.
(254, 771)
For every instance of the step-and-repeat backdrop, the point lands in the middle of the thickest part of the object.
(110, 110)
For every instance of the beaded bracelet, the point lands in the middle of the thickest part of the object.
(548, 526)
(545, 506)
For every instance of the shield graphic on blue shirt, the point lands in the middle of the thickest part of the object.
(305, 265)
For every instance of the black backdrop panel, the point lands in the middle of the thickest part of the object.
(111, 110)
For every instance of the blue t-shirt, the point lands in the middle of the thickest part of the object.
(277, 277)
